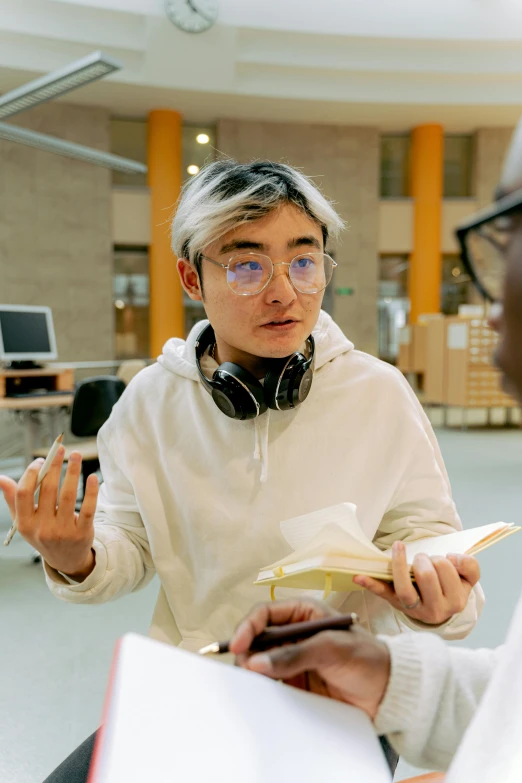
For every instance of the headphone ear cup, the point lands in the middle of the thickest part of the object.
(282, 382)
(237, 393)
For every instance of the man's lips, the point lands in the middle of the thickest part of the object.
(280, 321)
(280, 327)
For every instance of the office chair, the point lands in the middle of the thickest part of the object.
(94, 399)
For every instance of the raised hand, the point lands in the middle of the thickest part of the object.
(63, 537)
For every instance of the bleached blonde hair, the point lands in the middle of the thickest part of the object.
(226, 194)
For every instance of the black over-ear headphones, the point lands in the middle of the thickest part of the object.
(239, 395)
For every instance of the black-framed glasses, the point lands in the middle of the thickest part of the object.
(483, 241)
(250, 273)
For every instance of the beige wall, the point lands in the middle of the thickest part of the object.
(396, 224)
(130, 216)
(346, 163)
(55, 230)
(454, 212)
(490, 148)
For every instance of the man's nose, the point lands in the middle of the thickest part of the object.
(280, 289)
(495, 316)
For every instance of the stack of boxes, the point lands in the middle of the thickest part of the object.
(454, 355)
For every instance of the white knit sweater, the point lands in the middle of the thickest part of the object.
(456, 709)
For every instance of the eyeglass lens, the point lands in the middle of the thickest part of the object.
(309, 273)
(486, 250)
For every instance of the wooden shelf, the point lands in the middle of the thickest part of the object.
(24, 381)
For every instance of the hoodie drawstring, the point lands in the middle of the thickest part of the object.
(261, 444)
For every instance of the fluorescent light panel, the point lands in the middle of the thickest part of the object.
(88, 69)
(70, 150)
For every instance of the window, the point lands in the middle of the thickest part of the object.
(393, 304)
(456, 285)
(395, 154)
(131, 302)
(458, 161)
(199, 148)
(129, 139)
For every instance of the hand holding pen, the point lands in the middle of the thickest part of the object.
(351, 665)
(52, 526)
(44, 470)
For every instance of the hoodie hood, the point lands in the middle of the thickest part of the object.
(179, 356)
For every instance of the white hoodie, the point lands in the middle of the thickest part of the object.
(197, 497)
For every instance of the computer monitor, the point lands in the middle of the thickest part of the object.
(26, 335)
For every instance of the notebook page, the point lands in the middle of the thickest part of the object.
(333, 540)
(299, 531)
(178, 717)
(459, 542)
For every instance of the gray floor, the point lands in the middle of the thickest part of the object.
(54, 657)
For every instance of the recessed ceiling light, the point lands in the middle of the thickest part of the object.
(455, 271)
(193, 169)
(202, 138)
(120, 304)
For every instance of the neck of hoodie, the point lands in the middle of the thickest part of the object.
(179, 358)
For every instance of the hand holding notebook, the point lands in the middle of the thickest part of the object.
(330, 548)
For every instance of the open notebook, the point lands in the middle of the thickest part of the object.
(174, 717)
(330, 548)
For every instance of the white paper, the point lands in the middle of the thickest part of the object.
(177, 717)
(458, 336)
(299, 531)
(454, 543)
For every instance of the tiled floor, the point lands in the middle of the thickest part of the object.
(54, 657)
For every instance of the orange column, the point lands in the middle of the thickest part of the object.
(166, 318)
(425, 278)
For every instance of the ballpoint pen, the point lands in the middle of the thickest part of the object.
(41, 475)
(276, 635)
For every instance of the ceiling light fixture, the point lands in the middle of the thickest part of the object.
(70, 150)
(193, 169)
(202, 138)
(77, 74)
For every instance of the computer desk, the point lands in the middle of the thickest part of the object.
(53, 405)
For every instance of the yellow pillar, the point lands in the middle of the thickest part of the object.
(425, 278)
(166, 318)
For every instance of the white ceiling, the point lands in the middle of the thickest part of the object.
(391, 63)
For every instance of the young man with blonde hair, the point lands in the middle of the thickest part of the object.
(265, 412)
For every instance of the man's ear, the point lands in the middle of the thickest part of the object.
(190, 279)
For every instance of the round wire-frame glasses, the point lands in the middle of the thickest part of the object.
(249, 274)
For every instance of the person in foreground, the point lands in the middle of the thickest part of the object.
(440, 707)
(264, 413)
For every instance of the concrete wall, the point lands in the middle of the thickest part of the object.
(55, 230)
(55, 238)
(345, 162)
